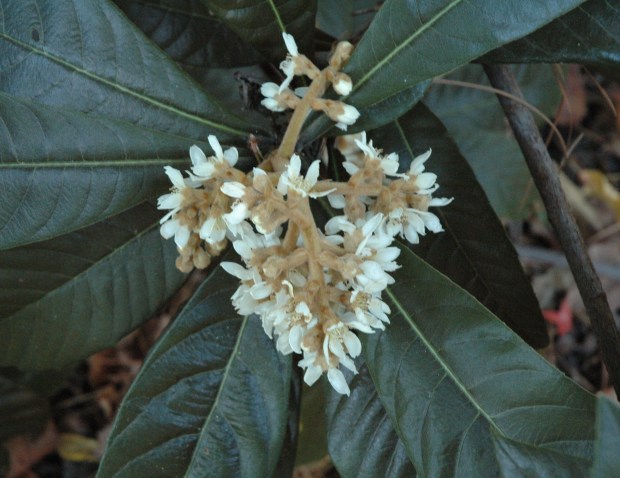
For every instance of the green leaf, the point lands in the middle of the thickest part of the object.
(589, 34)
(449, 374)
(361, 439)
(57, 175)
(412, 41)
(21, 410)
(476, 122)
(521, 459)
(606, 459)
(474, 250)
(261, 23)
(96, 61)
(65, 298)
(210, 400)
(189, 34)
(346, 18)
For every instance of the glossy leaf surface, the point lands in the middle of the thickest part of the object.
(189, 34)
(261, 23)
(61, 170)
(589, 34)
(473, 250)
(210, 400)
(361, 439)
(87, 56)
(450, 374)
(412, 41)
(65, 298)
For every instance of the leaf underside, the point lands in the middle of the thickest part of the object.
(210, 400)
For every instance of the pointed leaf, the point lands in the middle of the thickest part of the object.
(473, 250)
(189, 34)
(589, 34)
(96, 61)
(261, 23)
(606, 459)
(449, 373)
(65, 298)
(410, 41)
(361, 439)
(476, 122)
(61, 170)
(210, 400)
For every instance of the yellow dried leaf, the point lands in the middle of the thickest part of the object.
(74, 447)
(600, 186)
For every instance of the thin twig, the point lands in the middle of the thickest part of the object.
(547, 182)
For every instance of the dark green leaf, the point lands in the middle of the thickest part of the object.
(286, 463)
(210, 400)
(589, 34)
(449, 372)
(476, 122)
(361, 439)
(65, 298)
(261, 23)
(61, 170)
(345, 18)
(474, 250)
(606, 458)
(411, 41)
(522, 459)
(187, 32)
(21, 410)
(335, 18)
(87, 56)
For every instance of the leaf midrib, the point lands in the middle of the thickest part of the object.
(118, 163)
(121, 88)
(216, 401)
(73, 280)
(425, 26)
(448, 370)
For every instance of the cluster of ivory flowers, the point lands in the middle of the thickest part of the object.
(311, 288)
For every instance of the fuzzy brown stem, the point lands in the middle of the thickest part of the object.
(547, 182)
(287, 147)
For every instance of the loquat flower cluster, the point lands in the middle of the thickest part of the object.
(313, 289)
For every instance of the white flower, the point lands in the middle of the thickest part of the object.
(372, 277)
(343, 84)
(271, 101)
(389, 163)
(293, 179)
(313, 370)
(347, 117)
(369, 309)
(288, 65)
(412, 223)
(204, 168)
(170, 225)
(338, 382)
(336, 201)
(213, 230)
(340, 341)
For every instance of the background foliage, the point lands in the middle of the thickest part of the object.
(97, 96)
